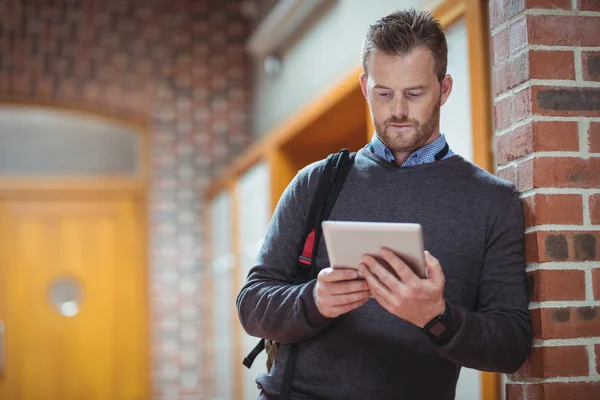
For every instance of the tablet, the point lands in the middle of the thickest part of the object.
(348, 241)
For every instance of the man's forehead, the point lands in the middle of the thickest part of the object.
(417, 64)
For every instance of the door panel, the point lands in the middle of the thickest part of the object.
(93, 349)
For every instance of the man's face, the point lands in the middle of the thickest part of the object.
(405, 97)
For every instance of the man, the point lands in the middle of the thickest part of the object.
(381, 337)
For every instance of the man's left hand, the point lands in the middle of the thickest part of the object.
(406, 295)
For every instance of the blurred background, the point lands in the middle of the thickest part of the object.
(143, 147)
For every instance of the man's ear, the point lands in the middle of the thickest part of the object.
(363, 85)
(446, 85)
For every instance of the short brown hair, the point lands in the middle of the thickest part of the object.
(401, 32)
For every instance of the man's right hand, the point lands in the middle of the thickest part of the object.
(339, 291)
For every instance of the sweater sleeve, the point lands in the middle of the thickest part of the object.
(269, 304)
(497, 336)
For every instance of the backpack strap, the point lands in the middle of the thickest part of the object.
(330, 185)
(335, 171)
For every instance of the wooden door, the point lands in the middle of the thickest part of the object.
(70, 349)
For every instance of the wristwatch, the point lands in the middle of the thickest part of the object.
(439, 329)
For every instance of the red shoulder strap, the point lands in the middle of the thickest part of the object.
(306, 256)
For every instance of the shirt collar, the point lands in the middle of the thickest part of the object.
(424, 155)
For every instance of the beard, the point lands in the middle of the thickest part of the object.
(411, 140)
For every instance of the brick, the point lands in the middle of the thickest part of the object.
(563, 391)
(555, 136)
(514, 391)
(509, 174)
(500, 78)
(500, 49)
(590, 63)
(549, 4)
(552, 64)
(496, 13)
(511, 73)
(562, 30)
(594, 137)
(554, 361)
(525, 175)
(595, 209)
(565, 101)
(545, 246)
(565, 323)
(588, 5)
(597, 351)
(514, 144)
(503, 113)
(537, 136)
(560, 172)
(596, 283)
(543, 209)
(517, 35)
(522, 104)
(556, 285)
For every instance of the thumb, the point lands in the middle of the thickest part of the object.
(436, 275)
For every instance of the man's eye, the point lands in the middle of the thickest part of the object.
(414, 95)
(385, 94)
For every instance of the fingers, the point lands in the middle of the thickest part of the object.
(338, 274)
(332, 306)
(338, 291)
(406, 275)
(376, 286)
(381, 273)
(325, 295)
(348, 307)
(436, 275)
(343, 287)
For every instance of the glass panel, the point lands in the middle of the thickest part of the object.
(455, 119)
(224, 297)
(38, 142)
(254, 215)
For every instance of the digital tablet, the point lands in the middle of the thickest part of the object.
(348, 241)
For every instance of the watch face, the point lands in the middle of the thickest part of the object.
(438, 328)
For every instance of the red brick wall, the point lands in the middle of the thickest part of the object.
(546, 84)
(180, 67)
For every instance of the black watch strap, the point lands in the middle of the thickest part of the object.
(440, 329)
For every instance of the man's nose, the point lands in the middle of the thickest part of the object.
(400, 108)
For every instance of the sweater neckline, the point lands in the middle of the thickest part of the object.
(372, 157)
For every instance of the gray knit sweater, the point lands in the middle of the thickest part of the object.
(472, 223)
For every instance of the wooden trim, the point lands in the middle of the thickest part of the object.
(143, 209)
(281, 173)
(74, 184)
(238, 279)
(369, 123)
(479, 67)
(490, 386)
(298, 122)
